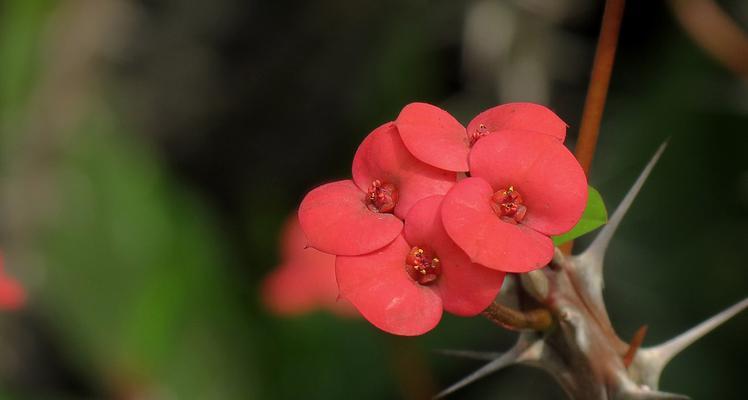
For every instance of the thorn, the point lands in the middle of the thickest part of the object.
(672, 347)
(526, 350)
(588, 265)
(469, 354)
(594, 254)
(652, 360)
(636, 342)
(498, 363)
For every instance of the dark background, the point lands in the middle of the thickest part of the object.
(150, 151)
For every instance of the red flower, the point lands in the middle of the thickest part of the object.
(365, 214)
(12, 295)
(403, 287)
(306, 279)
(524, 187)
(436, 138)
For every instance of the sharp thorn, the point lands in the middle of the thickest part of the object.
(500, 362)
(666, 351)
(588, 265)
(649, 362)
(634, 346)
(596, 251)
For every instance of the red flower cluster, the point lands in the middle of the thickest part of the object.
(412, 240)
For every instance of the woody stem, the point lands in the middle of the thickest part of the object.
(506, 317)
(597, 91)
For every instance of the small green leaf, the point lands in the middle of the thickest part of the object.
(595, 215)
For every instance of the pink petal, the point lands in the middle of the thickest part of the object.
(383, 156)
(336, 220)
(465, 288)
(293, 241)
(487, 240)
(12, 294)
(520, 116)
(304, 284)
(287, 290)
(542, 170)
(433, 136)
(296, 286)
(380, 288)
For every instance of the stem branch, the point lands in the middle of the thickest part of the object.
(539, 319)
(597, 91)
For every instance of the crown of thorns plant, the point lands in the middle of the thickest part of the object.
(440, 217)
(570, 335)
(406, 239)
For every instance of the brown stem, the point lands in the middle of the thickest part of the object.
(713, 29)
(539, 319)
(597, 91)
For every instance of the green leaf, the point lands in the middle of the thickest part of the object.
(594, 216)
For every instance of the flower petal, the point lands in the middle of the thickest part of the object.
(292, 289)
(306, 281)
(487, 240)
(520, 116)
(465, 288)
(433, 136)
(380, 288)
(303, 285)
(383, 156)
(549, 178)
(293, 241)
(12, 294)
(336, 220)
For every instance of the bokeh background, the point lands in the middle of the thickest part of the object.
(151, 150)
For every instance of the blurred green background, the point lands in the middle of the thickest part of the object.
(151, 150)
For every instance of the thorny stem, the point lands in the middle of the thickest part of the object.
(585, 354)
(538, 319)
(597, 91)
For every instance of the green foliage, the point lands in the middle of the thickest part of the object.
(135, 275)
(595, 215)
(21, 25)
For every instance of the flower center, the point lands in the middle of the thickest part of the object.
(422, 265)
(508, 205)
(478, 133)
(381, 197)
